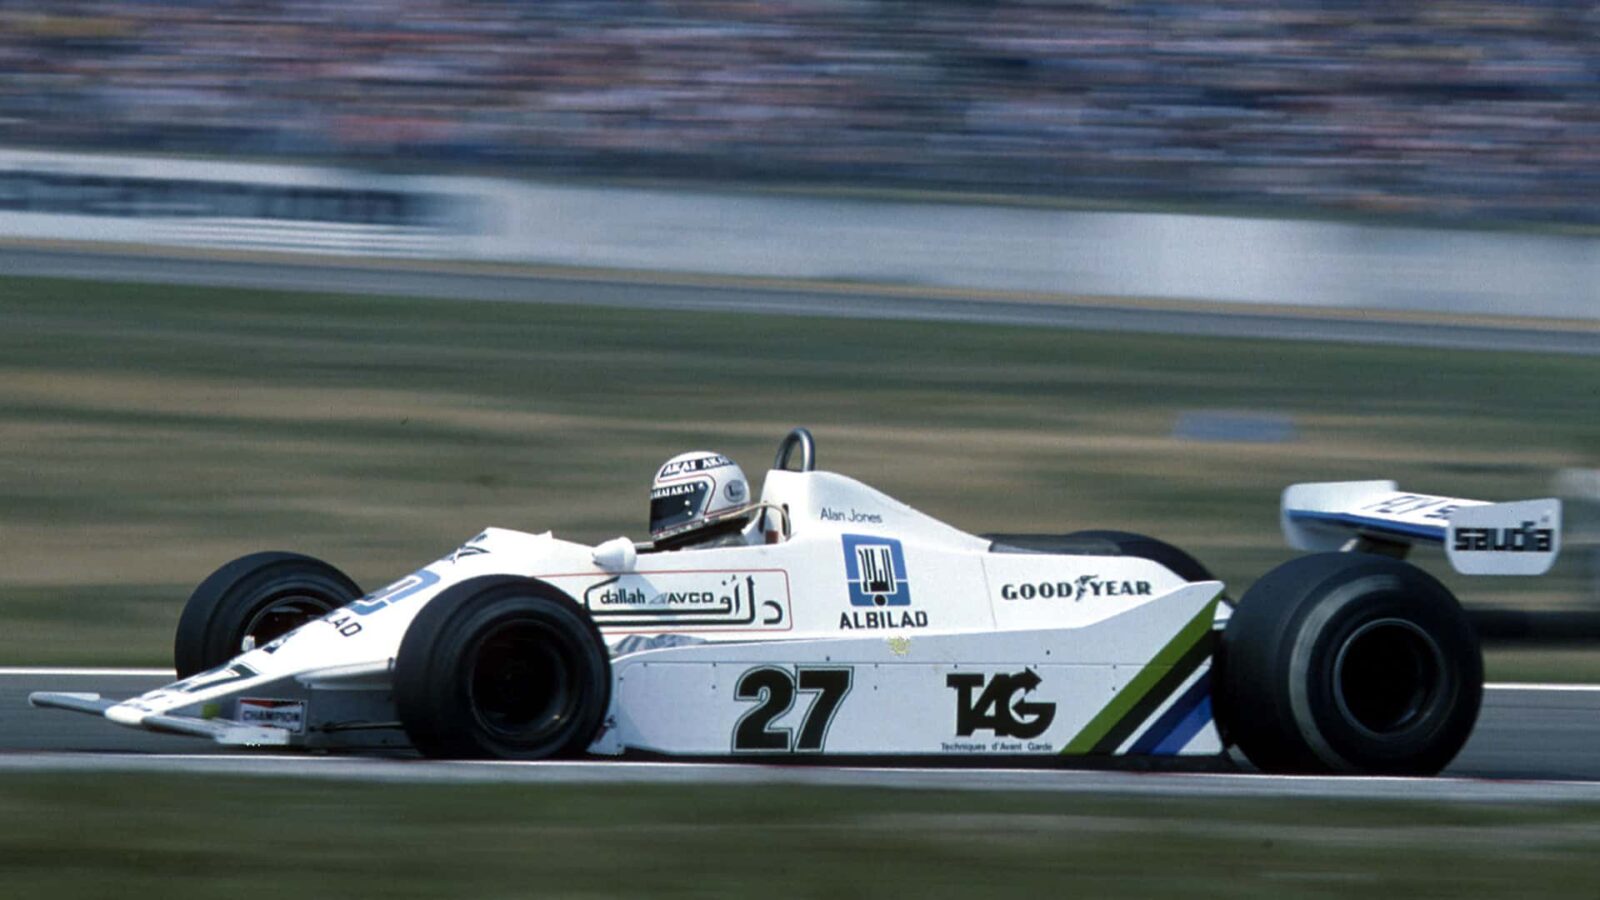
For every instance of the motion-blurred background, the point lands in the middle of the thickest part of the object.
(1422, 175)
(1461, 109)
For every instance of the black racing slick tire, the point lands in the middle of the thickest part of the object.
(1129, 543)
(502, 667)
(1104, 542)
(250, 602)
(1349, 663)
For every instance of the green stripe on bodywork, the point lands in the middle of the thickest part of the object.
(1127, 701)
(1156, 697)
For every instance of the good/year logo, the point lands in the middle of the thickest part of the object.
(1085, 586)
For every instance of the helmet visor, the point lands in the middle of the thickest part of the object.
(679, 504)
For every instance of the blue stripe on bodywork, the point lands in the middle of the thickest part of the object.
(1180, 723)
(1424, 532)
(1186, 730)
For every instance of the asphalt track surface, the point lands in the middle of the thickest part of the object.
(1533, 743)
(688, 293)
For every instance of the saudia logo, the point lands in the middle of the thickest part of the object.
(1085, 586)
(875, 571)
(1523, 539)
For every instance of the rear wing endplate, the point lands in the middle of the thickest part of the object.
(1479, 538)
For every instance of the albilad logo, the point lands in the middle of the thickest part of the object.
(875, 569)
(877, 579)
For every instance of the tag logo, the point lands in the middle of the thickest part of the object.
(1003, 706)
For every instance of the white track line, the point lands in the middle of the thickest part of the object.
(1237, 785)
(1521, 686)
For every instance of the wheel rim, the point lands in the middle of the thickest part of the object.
(1388, 676)
(281, 616)
(521, 686)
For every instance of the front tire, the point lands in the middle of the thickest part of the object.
(252, 601)
(1349, 662)
(502, 668)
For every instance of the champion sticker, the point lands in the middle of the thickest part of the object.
(289, 714)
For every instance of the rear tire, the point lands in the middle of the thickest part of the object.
(502, 667)
(1141, 546)
(1105, 542)
(260, 597)
(1349, 662)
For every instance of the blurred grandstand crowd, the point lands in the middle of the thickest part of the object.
(1450, 109)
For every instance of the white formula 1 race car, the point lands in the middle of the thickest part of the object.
(863, 628)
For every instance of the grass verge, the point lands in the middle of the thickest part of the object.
(107, 835)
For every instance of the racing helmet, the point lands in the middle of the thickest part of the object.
(694, 491)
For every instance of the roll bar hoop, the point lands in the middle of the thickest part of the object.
(801, 438)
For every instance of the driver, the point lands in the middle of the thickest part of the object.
(702, 499)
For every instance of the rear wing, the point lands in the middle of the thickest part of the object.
(1521, 538)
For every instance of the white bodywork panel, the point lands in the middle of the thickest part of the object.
(918, 695)
(874, 629)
